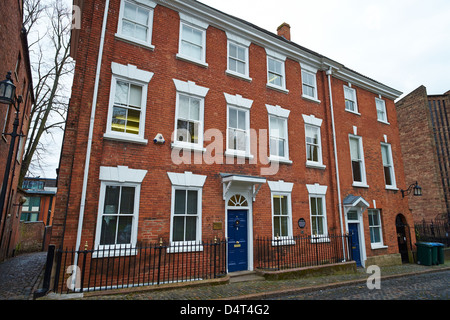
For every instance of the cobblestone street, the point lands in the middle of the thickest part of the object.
(22, 275)
(428, 286)
(311, 287)
(19, 276)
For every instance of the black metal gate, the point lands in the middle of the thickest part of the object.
(403, 236)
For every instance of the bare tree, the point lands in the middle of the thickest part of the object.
(48, 23)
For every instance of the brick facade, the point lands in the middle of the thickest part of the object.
(14, 57)
(156, 193)
(423, 126)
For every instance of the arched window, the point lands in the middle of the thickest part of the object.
(238, 201)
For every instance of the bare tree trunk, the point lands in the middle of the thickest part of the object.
(51, 67)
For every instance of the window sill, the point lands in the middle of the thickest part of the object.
(383, 122)
(277, 88)
(311, 99)
(238, 154)
(113, 252)
(392, 188)
(182, 57)
(360, 185)
(124, 138)
(280, 160)
(354, 112)
(192, 147)
(283, 242)
(143, 44)
(315, 165)
(181, 247)
(378, 246)
(320, 239)
(238, 75)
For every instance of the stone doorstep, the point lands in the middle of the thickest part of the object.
(329, 269)
(242, 276)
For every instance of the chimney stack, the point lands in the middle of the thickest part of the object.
(284, 31)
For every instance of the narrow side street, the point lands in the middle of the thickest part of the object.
(20, 275)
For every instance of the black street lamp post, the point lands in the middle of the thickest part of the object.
(8, 96)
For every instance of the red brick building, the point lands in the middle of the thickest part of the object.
(187, 124)
(15, 59)
(424, 136)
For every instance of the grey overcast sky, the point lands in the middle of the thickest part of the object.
(400, 43)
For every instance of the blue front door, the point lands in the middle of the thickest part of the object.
(356, 252)
(237, 240)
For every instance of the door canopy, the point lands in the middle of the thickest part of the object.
(230, 181)
(352, 201)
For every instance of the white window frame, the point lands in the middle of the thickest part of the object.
(244, 44)
(123, 177)
(191, 90)
(132, 75)
(194, 23)
(272, 55)
(388, 147)
(198, 217)
(318, 192)
(351, 91)
(380, 244)
(381, 106)
(316, 124)
(241, 104)
(189, 182)
(363, 182)
(147, 5)
(281, 188)
(312, 71)
(281, 114)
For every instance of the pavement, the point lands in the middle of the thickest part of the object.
(264, 289)
(22, 275)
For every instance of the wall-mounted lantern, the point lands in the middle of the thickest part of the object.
(415, 188)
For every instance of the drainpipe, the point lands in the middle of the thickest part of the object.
(329, 73)
(91, 132)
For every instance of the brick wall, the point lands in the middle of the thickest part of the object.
(419, 153)
(155, 204)
(14, 45)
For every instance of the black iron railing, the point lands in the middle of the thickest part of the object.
(433, 231)
(296, 252)
(159, 263)
(124, 266)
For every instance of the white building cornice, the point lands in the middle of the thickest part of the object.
(271, 41)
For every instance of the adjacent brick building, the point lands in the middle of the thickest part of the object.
(197, 124)
(39, 204)
(15, 59)
(424, 135)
